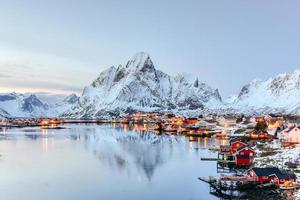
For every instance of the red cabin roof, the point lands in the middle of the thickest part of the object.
(236, 145)
(245, 150)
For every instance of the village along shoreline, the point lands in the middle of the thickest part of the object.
(263, 143)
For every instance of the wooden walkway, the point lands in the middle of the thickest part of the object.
(218, 160)
(208, 180)
(210, 159)
(237, 178)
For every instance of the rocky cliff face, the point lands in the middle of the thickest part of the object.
(139, 86)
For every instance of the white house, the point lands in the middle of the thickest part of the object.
(292, 134)
(4, 122)
(226, 121)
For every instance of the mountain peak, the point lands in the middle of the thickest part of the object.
(297, 72)
(140, 61)
(31, 102)
(72, 98)
(140, 56)
(277, 94)
(140, 87)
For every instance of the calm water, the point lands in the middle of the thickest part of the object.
(101, 162)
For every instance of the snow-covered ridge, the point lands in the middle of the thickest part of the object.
(139, 86)
(29, 105)
(279, 94)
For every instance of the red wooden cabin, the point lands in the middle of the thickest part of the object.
(232, 148)
(244, 156)
(236, 145)
(280, 179)
(271, 174)
(243, 160)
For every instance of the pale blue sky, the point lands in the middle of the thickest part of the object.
(62, 45)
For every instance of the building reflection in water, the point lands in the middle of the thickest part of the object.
(136, 127)
(3, 130)
(206, 142)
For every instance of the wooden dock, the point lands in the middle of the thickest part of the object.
(237, 178)
(218, 160)
(234, 183)
(212, 179)
(219, 185)
(226, 161)
(198, 135)
(19, 126)
(209, 159)
(208, 180)
(265, 185)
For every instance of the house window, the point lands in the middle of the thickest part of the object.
(242, 153)
(251, 154)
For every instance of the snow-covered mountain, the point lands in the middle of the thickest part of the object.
(65, 105)
(20, 105)
(29, 105)
(280, 94)
(3, 113)
(139, 86)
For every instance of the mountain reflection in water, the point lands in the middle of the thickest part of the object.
(142, 152)
(89, 161)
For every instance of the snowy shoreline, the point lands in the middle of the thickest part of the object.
(285, 158)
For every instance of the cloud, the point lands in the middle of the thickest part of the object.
(16, 85)
(15, 65)
(4, 75)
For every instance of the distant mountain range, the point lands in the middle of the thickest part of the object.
(280, 94)
(139, 86)
(29, 105)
